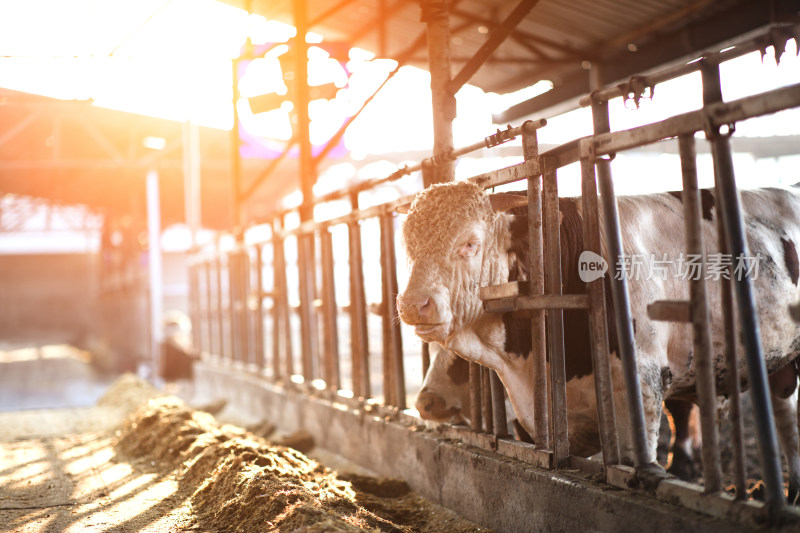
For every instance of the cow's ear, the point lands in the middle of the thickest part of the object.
(504, 202)
(403, 209)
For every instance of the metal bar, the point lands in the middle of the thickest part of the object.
(732, 382)
(209, 319)
(700, 317)
(233, 303)
(486, 400)
(712, 115)
(358, 314)
(731, 52)
(194, 306)
(619, 291)
(498, 405)
(498, 35)
(541, 430)
(330, 355)
(475, 422)
(426, 359)
(435, 14)
(244, 318)
(597, 321)
(220, 309)
(261, 356)
(670, 311)
(308, 330)
(283, 327)
(390, 318)
(725, 184)
(555, 317)
(545, 301)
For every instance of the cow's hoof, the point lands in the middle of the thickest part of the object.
(682, 465)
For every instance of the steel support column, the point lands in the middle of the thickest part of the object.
(725, 184)
(436, 14)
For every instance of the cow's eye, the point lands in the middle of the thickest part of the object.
(469, 249)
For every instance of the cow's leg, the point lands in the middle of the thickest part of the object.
(652, 395)
(683, 464)
(783, 385)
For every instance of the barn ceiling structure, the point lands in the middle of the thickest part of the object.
(72, 152)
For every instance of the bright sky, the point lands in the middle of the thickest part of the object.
(172, 59)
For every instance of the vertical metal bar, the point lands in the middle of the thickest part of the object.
(209, 308)
(725, 184)
(486, 400)
(194, 306)
(220, 309)
(261, 357)
(498, 405)
(308, 323)
(244, 289)
(619, 291)
(426, 358)
(701, 335)
(555, 322)
(541, 436)
(283, 326)
(475, 396)
(733, 382)
(436, 15)
(358, 314)
(597, 320)
(232, 303)
(391, 319)
(330, 356)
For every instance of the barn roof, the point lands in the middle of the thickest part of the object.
(73, 152)
(556, 40)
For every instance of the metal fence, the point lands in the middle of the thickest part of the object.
(274, 307)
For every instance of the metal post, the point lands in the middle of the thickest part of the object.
(486, 399)
(329, 313)
(390, 318)
(498, 405)
(725, 184)
(358, 313)
(541, 436)
(619, 291)
(597, 321)
(436, 15)
(555, 317)
(261, 359)
(282, 312)
(220, 309)
(475, 396)
(308, 321)
(209, 319)
(701, 335)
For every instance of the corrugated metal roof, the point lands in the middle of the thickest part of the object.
(553, 42)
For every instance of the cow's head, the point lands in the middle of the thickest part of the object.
(444, 395)
(455, 238)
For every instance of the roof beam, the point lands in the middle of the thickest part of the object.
(496, 38)
(681, 44)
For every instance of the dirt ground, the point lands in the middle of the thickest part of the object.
(140, 462)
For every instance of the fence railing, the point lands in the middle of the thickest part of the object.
(300, 305)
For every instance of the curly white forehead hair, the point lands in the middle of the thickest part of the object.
(439, 213)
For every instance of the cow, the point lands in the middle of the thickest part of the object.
(444, 397)
(458, 239)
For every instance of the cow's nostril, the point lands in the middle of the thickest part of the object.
(425, 306)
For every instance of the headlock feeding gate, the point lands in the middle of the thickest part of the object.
(275, 336)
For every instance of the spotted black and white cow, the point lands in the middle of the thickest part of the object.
(459, 239)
